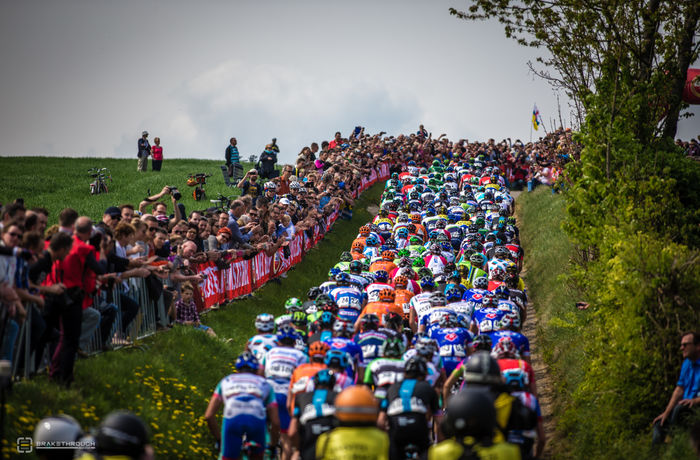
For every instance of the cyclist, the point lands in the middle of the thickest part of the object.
(265, 339)
(341, 340)
(408, 409)
(348, 298)
(386, 369)
(249, 405)
(453, 341)
(381, 308)
(302, 375)
(279, 364)
(420, 304)
(518, 384)
(370, 339)
(356, 437)
(313, 414)
(402, 295)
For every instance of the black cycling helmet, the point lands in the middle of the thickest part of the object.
(121, 433)
(482, 369)
(482, 342)
(345, 256)
(314, 291)
(369, 322)
(471, 413)
(54, 429)
(415, 367)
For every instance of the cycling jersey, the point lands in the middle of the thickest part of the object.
(521, 342)
(314, 410)
(386, 265)
(353, 443)
(302, 377)
(436, 263)
(382, 310)
(382, 372)
(452, 450)
(245, 397)
(260, 344)
(349, 347)
(371, 343)
(373, 289)
(487, 319)
(420, 303)
(279, 364)
(349, 300)
(402, 297)
(452, 344)
(430, 321)
(407, 404)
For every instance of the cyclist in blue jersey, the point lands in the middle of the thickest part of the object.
(453, 342)
(341, 340)
(265, 339)
(249, 407)
(370, 339)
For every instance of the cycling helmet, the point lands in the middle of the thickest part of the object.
(448, 319)
(400, 282)
(392, 320)
(415, 367)
(389, 246)
(388, 255)
(345, 256)
(471, 413)
(265, 322)
(510, 321)
(482, 369)
(502, 292)
(357, 246)
(293, 304)
(482, 342)
(393, 347)
(300, 319)
(313, 292)
(416, 218)
(355, 266)
(425, 347)
(336, 359)
(122, 433)
(387, 295)
(498, 274)
(295, 185)
(343, 328)
(287, 335)
(58, 428)
(418, 262)
(372, 241)
(326, 320)
(489, 300)
(381, 276)
(477, 259)
(441, 224)
(356, 404)
(424, 272)
(438, 299)
(342, 279)
(318, 349)
(325, 378)
(369, 322)
(502, 253)
(426, 282)
(364, 230)
(402, 232)
(516, 379)
(481, 282)
(270, 186)
(505, 349)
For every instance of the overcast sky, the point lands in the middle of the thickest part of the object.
(84, 78)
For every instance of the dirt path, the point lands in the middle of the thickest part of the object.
(545, 391)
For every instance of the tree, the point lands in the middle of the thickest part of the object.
(653, 39)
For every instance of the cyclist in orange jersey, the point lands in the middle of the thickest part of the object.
(386, 263)
(303, 375)
(382, 308)
(402, 295)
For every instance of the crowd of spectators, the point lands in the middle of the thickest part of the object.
(78, 276)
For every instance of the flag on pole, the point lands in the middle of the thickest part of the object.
(536, 119)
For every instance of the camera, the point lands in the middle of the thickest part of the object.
(174, 192)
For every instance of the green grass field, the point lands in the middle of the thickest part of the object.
(57, 183)
(167, 379)
(548, 253)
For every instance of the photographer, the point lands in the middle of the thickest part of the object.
(160, 209)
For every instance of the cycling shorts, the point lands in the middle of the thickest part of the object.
(232, 433)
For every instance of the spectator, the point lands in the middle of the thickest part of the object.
(249, 185)
(36, 220)
(66, 220)
(111, 217)
(187, 310)
(686, 395)
(127, 212)
(267, 161)
(157, 154)
(144, 151)
(13, 212)
(232, 156)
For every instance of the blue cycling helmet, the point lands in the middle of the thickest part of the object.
(342, 278)
(333, 272)
(326, 320)
(247, 360)
(402, 232)
(381, 275)
(286, 334)
(426, 282)
(324, 378)
(372, 241)
(265, 322)
(336, 358)
(453, 295)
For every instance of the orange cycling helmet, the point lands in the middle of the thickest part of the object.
(388, 255)
(386, 295)
(318, 349)
(357, 246)
(356, 404)
(416, 218)
(401, 281)
(364, 230)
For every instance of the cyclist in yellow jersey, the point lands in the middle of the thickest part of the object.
(357, 437)
(470, 422)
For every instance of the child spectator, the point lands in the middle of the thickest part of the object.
(186, 310)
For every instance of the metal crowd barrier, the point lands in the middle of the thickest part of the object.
(143, 325)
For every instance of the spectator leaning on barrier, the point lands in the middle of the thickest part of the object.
(686, 395)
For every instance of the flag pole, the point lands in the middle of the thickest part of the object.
(530, 131)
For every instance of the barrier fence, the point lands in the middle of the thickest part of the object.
(240, 278)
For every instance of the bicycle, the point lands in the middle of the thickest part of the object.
(221, 203)
(198, 181)
(99, 183)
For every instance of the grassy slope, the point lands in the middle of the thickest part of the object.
(169, 378)
(55, 183)
(547, 255)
